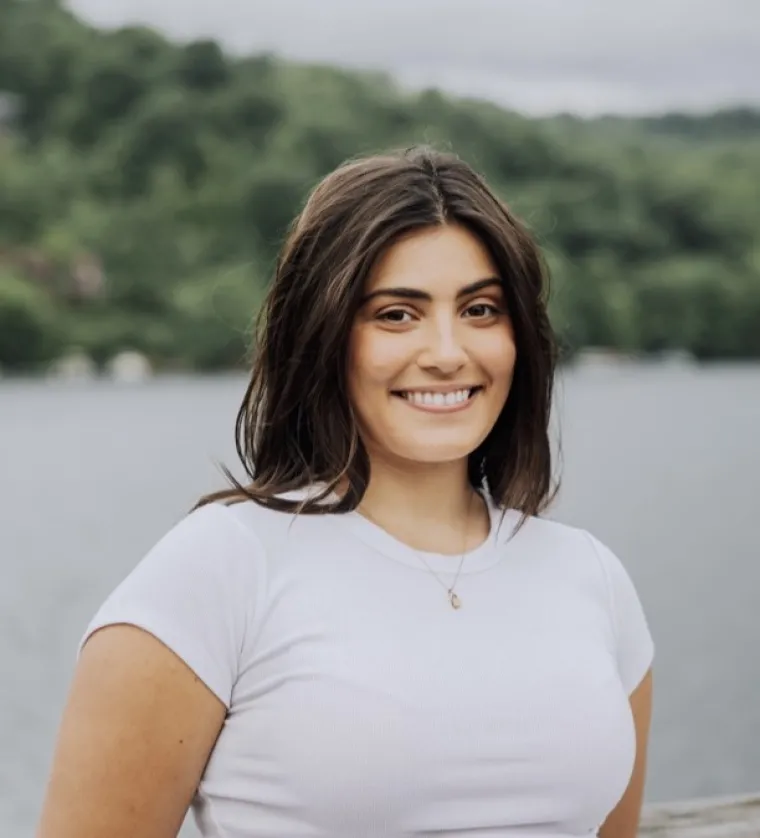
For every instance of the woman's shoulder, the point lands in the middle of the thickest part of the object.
(239, 518)
(196, 590)
(271, 527)
(214, 535)
(577, 554)
(540, 532)
(560, 546)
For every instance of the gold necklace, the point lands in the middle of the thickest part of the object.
(454, 599)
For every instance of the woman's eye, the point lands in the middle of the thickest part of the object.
(480, 310)
(396, 316)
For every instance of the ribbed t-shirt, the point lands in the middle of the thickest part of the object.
(361, 704)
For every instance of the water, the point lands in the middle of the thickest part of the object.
(663, 463)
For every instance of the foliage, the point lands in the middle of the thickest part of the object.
(176, 169)
(30, 328)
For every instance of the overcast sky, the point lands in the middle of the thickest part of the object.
(539, 56)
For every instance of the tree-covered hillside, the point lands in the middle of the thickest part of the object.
(145, 186)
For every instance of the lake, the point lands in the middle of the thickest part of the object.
(661, 462)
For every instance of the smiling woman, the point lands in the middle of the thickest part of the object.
(378, 633)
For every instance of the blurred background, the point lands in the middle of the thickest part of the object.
(151, 155)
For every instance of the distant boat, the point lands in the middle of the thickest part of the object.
(75, 366)
(129, 367)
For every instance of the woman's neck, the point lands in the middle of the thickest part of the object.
(432, 509)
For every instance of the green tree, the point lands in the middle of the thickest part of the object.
(31, 329)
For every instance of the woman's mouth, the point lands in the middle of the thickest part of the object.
(435, 401)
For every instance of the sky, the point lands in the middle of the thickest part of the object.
(536, 56)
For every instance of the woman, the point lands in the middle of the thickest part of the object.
(378, 635)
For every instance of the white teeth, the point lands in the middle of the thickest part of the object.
(438, 399)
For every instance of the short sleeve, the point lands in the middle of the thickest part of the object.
(194, 591)
(635, 645)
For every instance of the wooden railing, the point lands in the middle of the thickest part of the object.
(719, 817)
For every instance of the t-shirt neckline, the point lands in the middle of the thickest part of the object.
(480, 558)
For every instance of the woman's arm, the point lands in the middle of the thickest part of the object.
(623, 821)
(135, 737)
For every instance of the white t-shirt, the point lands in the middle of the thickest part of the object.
(360, 704)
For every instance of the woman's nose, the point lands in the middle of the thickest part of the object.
(443, 349)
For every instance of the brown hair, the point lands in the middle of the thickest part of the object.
(296, 428)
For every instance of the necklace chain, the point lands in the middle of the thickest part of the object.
(454, 599)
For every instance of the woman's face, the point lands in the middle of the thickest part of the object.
(432, 351)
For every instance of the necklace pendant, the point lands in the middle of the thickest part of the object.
(456, 603)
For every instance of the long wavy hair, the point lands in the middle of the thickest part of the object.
(296, 428)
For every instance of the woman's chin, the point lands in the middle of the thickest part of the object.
(426, 454)
(424, 448)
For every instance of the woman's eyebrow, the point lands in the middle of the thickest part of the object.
(418, 294)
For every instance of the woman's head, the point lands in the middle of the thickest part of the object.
(404, 282)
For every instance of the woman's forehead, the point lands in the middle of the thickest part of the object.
(436, 260)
